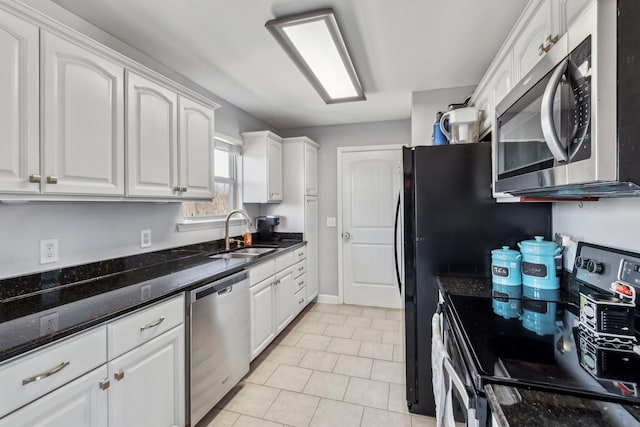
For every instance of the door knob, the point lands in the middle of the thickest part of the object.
(346, 236)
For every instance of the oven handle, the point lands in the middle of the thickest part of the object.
(546, 115)
(472, 420)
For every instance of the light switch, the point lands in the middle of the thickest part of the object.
(331, 221)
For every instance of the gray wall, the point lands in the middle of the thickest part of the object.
(330, 138)
(425, 105)
(609, 222)
(92, 231)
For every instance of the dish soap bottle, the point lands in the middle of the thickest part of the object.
(248, 239)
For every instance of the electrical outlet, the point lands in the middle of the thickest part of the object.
(49, 324)
(145, 238)
(48, 251)
(145, 292)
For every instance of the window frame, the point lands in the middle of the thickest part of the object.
(233, 146)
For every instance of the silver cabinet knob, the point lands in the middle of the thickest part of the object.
(118, 375)
(34, 178)
(346, 236)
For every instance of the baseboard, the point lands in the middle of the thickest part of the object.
(328, 299)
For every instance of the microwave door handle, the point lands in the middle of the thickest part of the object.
(546, 115)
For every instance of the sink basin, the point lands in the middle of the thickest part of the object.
(231, 255)
(254, 251)
(243, 253)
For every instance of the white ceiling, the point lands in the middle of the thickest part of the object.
(398, 47)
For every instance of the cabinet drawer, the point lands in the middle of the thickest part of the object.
(299, 282)
(300, 268)
(284, 261)
(138, 328)
(38, 373)
(300, 253)
(300, 299)
(261, 271)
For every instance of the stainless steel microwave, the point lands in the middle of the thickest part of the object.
(571, 126)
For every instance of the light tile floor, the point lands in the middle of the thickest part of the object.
(335, 365)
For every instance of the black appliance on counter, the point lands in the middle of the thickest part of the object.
(451, 223)
(266, 227)
(592, 353)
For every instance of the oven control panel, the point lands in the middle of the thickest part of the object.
(600, 267)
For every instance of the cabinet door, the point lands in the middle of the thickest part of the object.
(196, 149)
(502, 80)
(569, 11)
(263, 329)
(147, 383)
(82, 402)
(274, 166)
(19, 109)
(534, 34)
(83, 133)
(311, 236)
(285, 303)
(311, 170)
(152, 144)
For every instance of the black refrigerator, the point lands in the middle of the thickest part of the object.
(451, 223)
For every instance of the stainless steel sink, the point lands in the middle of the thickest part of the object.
(243, 253)
(254, 251)
(231, 255)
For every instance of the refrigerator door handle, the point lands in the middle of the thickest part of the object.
(395, 244)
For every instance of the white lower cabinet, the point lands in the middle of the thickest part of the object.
(148, 383)
(277, 286)
(81, 403)
(74, 383)
(262, 321)
(285, 307)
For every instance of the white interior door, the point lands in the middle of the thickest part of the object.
(371, 183)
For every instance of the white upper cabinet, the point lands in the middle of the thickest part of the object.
(152, 139)
(19, 109)
(527, 42)
(569, 11)
(274, 167)
(196, 149)
(311, 169)
(83, 107)
(502, 80)
(262, 168)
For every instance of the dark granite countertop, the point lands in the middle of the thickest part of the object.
(87, 295)
(513, 406)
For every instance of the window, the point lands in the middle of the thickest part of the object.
(225, 179)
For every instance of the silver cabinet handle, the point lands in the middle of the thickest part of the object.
(301, 301)
(152, 324)
(301, 268)
(44, 375)
(118, 375)
(300, 283)
(104, 384)
(546, 115)
(34, 178)
(52, 179)
(301, 254)
(346, 236)
(184, 189)
(177, 188)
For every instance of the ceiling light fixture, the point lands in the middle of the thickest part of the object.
(314, 42)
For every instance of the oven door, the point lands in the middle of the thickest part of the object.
(463, 403)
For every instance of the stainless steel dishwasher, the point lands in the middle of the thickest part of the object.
(219, 341)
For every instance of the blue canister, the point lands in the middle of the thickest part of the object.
(539, 308)
(506, 300)
(438, 137)
(539, 263)
(505, 267)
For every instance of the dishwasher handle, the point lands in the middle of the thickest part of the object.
(220, 287)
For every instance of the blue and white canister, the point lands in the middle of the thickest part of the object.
(505, 267)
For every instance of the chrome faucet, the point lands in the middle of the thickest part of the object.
(227, 240)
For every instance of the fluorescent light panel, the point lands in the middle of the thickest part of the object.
(314, 43)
